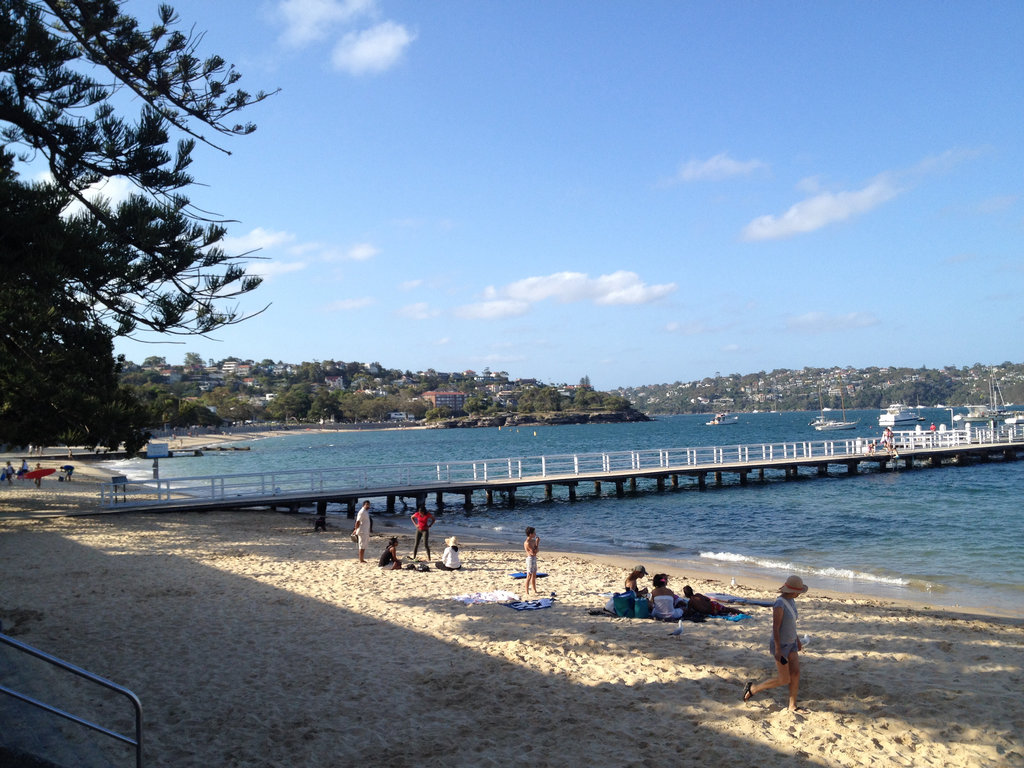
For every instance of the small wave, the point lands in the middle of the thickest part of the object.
(845, 574)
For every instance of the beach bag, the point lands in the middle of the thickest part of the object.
(354, 537)
(641, 608)
(623, 603)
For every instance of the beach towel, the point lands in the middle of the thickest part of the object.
(531, 605)
(501, 596)
(731, 616)
(741, 600)
(521, 575)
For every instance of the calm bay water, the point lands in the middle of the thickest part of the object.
(946, 536)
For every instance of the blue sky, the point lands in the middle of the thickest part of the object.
(636, 192)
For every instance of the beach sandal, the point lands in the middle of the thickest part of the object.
(747, 693)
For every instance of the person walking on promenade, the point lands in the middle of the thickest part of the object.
(362, 530)
(422, 520)
(785, 645)
(532, 547)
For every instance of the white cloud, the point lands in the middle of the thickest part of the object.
(256, 239)
(821, 210)
(418, 311)
(820, 322)
(349, 305)
(372, 50)
(495, 309)
(114, 190)
(515, 299)
(271, 269)
(620, 287)
(716, 168)
(361, 252)
(306, 21)
(410, 285)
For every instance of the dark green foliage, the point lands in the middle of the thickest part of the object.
(74, 281)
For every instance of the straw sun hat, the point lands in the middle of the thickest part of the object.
(451, 541)
(794, 586)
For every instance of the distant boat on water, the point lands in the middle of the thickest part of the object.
(897, 415)
(832, 425)
(993, 411)
(721, 419)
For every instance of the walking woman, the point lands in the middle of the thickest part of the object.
(785, 644)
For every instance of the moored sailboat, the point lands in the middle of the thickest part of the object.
(829, 425)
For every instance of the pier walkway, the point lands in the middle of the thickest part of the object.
(664, 468)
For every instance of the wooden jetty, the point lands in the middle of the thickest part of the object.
(623, 470)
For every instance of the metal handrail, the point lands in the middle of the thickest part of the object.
(422, 475)
(67, 666)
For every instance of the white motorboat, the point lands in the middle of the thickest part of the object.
(980, 413)
(897, 415)
(722, 419)
(992, 412)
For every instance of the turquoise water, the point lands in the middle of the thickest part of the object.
(946, 536)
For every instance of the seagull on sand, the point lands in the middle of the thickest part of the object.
(678, 630)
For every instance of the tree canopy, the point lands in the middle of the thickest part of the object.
(81, 269)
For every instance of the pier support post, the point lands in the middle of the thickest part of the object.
(718, 478)
(440, 502)
(822, 470)
(661, 484)
(743, 477)
(547, 492)
(468, 502)
(632, 485)
(597, 487)
(702, 481)
(675, 482)
(619, 491)
(511, 498)
(760, 473)
(390, 505)
(350, 511)
(852, 467)
(489, 497)
(572, 491)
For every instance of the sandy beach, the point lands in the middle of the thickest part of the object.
(252, 641)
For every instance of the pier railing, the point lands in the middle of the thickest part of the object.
(394, 477)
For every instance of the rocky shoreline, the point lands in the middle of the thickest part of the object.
(552, 418)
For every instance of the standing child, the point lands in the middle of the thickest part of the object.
(532, 547)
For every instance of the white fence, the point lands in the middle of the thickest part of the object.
(392, 478)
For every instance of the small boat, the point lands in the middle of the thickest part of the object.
(1013, 417)
(992, 412)
(723, 418)
(897, 415)
(831, 425)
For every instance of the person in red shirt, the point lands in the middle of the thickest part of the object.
(422, 520)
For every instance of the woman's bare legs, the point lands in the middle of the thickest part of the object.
(786, 674)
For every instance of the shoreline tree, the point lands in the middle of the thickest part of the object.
(80, 269)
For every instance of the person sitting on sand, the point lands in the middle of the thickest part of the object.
(389, 559)
(450, 558)
(635, 575)
(704, 604)
(666, 604)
